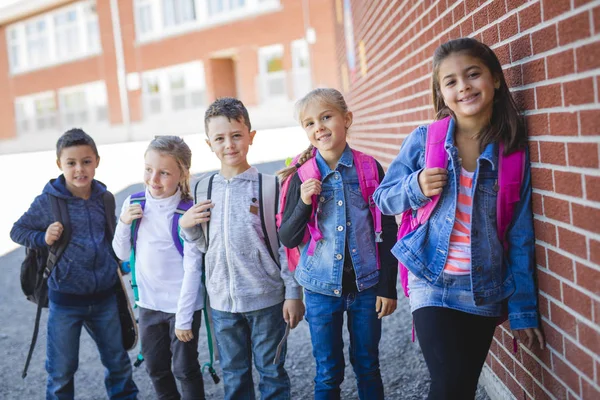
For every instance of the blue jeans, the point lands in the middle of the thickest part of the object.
(325, 317)
(101, 321)
(240, 336)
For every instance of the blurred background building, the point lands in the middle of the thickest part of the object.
(131, 69)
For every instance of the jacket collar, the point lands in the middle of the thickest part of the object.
(489, 154)
(346, 160)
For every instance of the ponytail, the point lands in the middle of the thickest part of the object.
(286, 172)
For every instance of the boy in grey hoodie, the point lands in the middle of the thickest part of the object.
(251, 296)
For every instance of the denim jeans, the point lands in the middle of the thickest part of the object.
(241, 336)
(101, 321)
(325, 317)
(160, 346)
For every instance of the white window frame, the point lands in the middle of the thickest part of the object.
(48, 40)
(265, 78)
(28, 102)
(70, 30)
(301, 75)
(95, 98)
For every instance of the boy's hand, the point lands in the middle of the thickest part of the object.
(527, 337)
(309, 188)
(134, 211)
(197, 214)
(53, 233)
(432, 181)
(293, 312)
(185, 335)
(385, 306)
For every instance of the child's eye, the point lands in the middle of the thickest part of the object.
(218, 139)
(450, 83)
(326, 117)
(237, 136)
(87, 162)
(165, 173)
(308, 124)
(71, 163)
(474, 75)
(149, 170)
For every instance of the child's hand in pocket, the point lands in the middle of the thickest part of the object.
(310, 188)
(185, 335)
(293, 312)
(197, 214)
(134, 211)
(385, 306)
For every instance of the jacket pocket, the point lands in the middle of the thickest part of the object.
(62, 271)
(325, 206)
(357, 200)
(265, 279)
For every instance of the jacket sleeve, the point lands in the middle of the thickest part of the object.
(293, 290)
(122, 240)
(400, 190)
(30, 229)
(388, 273)
(191, 287)
(520, 261)
(295, 216)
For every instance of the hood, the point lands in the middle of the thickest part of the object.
(58, 188)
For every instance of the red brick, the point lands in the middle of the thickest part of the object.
(513, 386)
(587, 218)
(525, 99)
(561, 265)
(514, 76)
(545, 231)
(497, 9)
(523, 378)
(506, 359)
(579, 92)
(509, 27)
(554, 8)
(596, 17)
(549, 96)
(471, 5)
(520, 48)
(480, 19)
(588, 391)
(466, 28)
(544, 307)
(531, 365)
(553, 153)
(539, 393)
(564, 124)
(588, 278)
(530, 17)
(536, 203)
(595, 253)
(540, 255)
(502, 52)
(572, 242)
(534, 154)
(549, 285)
(491, 37)
(589, 337)
(512, 4)
(544, 39)
(566, 373)
(534, 71)
(557, 209)
(542, 178)
(579, 358)
(568, 183)
(565, 321)
(583, 154)
(499, 370)
(587, 57)
(458, 12)
(561, 64)
(577, 301)
(589, 122)
(537, 124)
(575, 28)
(592, 187)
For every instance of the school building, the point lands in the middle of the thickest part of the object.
(132, 69)
(550, 52)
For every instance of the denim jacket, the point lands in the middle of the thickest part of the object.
(341, 207)
(495, 275)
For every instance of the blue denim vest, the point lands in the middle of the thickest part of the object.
(343, 215)
(495, 275)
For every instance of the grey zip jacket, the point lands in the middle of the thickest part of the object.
(241, 276)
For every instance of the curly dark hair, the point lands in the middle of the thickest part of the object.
(75, 137)
(227, 107)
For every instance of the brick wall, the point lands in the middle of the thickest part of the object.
(550, 52)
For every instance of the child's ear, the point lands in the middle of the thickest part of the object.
(252, 133)
(497, 82)
(348, 119)
(58, 164)
(97, 161)
(209, 145)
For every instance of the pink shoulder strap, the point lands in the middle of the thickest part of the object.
(510, 179)
(309, 170)
(435, 157)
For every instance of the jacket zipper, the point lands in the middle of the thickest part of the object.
(226, 237)
(95, 245)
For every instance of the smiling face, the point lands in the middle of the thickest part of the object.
(326, 126)
(78, 164)
(229, 140)
(161, 174)
(467, 86)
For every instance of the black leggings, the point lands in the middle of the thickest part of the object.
(455, 345)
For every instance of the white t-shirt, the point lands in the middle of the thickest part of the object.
(166, 281)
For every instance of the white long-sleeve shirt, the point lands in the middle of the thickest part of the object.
(166, 281)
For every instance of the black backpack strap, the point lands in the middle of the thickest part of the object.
(268, 191)
(109, 211)
(203, 191)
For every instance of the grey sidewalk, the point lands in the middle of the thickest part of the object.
(403, 369)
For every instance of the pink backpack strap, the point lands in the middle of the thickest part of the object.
(309, 170)
(510, 178)
(435, 157)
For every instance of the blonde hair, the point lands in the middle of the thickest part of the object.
(175, 147)
(328, 96)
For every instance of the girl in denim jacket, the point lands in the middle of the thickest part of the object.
(342, 275)
(460, 277)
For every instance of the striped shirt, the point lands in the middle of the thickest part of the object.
(459, 250)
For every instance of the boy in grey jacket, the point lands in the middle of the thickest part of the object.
(251, 296)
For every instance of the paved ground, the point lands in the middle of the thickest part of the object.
(404, 372)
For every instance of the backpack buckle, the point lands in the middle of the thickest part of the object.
(378, 238)
(372, 202)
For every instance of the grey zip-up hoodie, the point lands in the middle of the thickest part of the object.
(241, 276)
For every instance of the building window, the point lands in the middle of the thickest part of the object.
(272, 77)
(14, 48)
(83, 105)
(91, 27)
(301, 68)
(177, 12)
(66, 33)
(37, 42)
(143, 17)
(45, 113)
(151, 93)
(216, 7)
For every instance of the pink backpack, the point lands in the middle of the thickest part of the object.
(510, 178)
(368, 178)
